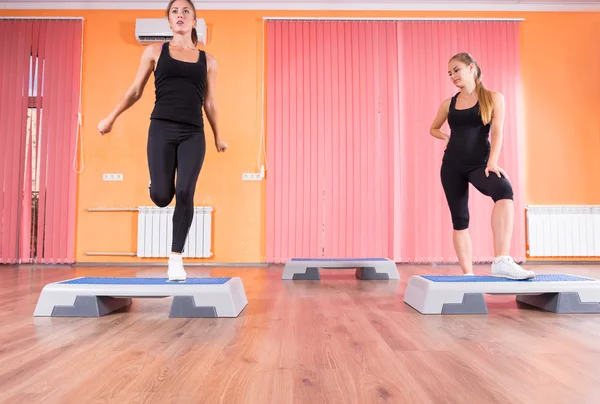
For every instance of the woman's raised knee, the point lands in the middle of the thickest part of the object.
(160, 199)
(502, 190)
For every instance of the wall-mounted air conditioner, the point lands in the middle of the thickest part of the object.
(152, 30)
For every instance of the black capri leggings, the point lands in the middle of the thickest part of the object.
(456, 179)
(175, 147)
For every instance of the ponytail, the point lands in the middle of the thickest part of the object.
(194, 36)
(486, 104)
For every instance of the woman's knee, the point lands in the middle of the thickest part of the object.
(461, 224)
(460, 221)
(185, 197)
(502, 190)
(161, 198)
(459, 212)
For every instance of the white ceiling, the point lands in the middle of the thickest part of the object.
(464, 5)
(199, 3)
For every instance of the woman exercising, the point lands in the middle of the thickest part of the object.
(472, 114)
(184, 79)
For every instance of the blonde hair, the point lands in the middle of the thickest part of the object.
(483, 94)
(194, 32)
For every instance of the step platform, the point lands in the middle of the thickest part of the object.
(559, 293)
(98, 296)
(366, 268)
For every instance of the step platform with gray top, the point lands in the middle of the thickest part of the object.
(98, 296)
(465, 294)
(366, 268)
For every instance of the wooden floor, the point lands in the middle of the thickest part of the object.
(335, 341)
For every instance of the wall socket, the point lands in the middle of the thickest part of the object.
(254, 176)
(112, 177)
(251, 177)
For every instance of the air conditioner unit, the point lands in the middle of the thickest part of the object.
(152, 30)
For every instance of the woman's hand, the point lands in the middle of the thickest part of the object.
(221, 145)
(105, 125)
(494, 168)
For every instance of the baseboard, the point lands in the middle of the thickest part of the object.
(563, 262)
(164, 264)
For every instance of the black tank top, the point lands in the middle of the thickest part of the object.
(179, 88)
(469, 137)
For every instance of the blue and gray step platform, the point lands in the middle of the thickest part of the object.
(556, 293)
(99, 296)
(365, 268)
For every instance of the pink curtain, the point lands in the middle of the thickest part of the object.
(15, 50)
(61, 55)
(40, 89)
(422, 224)
(352, 169)
(294, 189)
(331, 111)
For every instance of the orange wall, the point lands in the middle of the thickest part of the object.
(561, 76)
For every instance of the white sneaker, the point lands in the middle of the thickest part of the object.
(176, 271)
(505, 267)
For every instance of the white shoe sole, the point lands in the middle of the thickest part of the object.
(180, 278)
(519, 278)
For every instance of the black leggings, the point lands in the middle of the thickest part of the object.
(456, 179)
(174, 147)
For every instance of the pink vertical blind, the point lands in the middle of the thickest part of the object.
(39, 121)
(358, 122)
(353, 171)
(422, 225)
(332, 106)
(15, 49)
(294, 155)
(29, 219)
(61, 55)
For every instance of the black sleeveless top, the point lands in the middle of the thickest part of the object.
(469, 137)
(179, 88)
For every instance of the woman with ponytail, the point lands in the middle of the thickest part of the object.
(474, 115)
(184, 79)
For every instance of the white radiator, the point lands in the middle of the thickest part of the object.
(155, 232)
(563, 231)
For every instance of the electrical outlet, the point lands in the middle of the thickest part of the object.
(254, 176)
(112, 177)
(251, 177)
